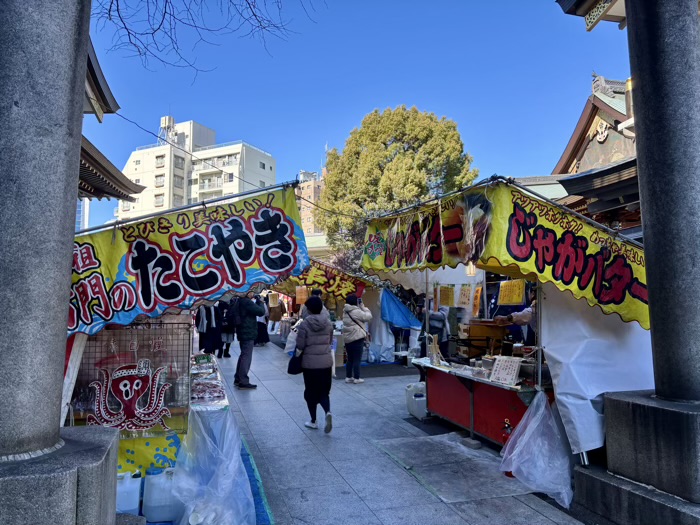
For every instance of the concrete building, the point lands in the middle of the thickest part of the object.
(310, 187)
(197, 169)
(82, 214)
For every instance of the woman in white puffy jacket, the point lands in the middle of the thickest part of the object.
(355, 315)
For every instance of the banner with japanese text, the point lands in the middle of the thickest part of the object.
(510, 232)
(178, 258)
(326, 278)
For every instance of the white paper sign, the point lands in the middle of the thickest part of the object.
(506, 370)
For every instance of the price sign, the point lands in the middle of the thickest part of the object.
(511, 293)
(465, 296)
(447, 296)
(477, 302)
(505, 370)
(302, 294)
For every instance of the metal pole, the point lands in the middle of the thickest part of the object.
(538, 340)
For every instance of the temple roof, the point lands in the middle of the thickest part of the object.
(100, 178)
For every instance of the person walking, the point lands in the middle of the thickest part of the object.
(314, 337)
(246, 331)
(276, 314)
(355, 315)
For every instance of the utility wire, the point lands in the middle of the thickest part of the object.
(203, 161)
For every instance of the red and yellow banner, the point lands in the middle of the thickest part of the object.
(513, 233)
(326, 278)
(178, 258)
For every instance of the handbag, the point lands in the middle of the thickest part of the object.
(294, 366)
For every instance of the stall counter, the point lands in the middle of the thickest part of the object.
(483, 407)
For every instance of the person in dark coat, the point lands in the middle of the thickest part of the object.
(228, 330)
(262, 338)
(314, 338)
(208, 323)
(247, 331)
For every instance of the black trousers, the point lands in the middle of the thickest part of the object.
(317, 389)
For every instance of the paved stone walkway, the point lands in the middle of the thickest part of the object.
(374, 467)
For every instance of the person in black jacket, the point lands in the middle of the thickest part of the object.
(247, 331)
(228, 328)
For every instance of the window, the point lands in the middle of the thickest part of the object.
(262, 165)
(159, 199)
(179, 162)
(137, 181)
(126, 206)
(178, 182)
(177, 200)
(160, 161)
(160, 181)
(231, 176)
(137, 162)
(270, 168)
(191, 200)
(192, 182)
(262, 183)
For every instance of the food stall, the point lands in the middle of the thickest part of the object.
(335, 284)
(591, 314)
(129, 353)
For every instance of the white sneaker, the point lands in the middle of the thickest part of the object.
(309, 424)
(358, 381)
(349, 380)
(329, 423)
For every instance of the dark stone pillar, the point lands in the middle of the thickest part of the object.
(664, 46)
(43, 60)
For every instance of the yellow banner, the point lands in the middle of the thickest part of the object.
(449, 232)
(178, 258)
(326, 278)
(513, 233)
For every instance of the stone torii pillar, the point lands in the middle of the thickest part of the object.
(653, 438)
(47, 475)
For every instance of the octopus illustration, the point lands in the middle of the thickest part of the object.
(128, 384)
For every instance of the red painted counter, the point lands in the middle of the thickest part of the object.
(449, 398)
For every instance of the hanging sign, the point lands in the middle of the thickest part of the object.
(511, 293)
(178, 258)
(513, 233)
(302, 294)
(330, 280)
(465, 296)
(447, 295)
(477, 302)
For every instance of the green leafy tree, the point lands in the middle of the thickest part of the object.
(396, 158)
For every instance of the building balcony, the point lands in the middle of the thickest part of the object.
(211, 185)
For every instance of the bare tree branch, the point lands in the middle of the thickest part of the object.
(157, 29)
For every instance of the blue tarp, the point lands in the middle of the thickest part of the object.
(396, 314)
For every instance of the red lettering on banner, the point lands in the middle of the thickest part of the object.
(610, 280)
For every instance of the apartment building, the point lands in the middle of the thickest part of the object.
(197, 169)
(310, 187)
(82, 214)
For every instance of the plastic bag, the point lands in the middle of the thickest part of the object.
(210, 477)
(538, 454)
(291, 344)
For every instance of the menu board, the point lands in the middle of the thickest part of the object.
(447, 295)
(512, 293)
(506, 370)
(465, 296)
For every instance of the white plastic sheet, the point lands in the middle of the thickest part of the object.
(381, 347)
(537, 453)
(590, 353)
(210, 477)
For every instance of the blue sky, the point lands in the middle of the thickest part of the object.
(513, 75)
